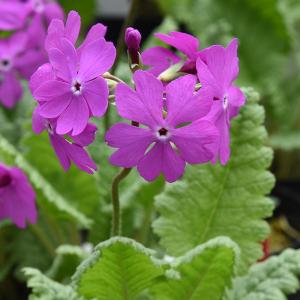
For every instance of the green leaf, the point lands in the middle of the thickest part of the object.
(119, 269)
(202, 273)
(65, 263)
(270, 280)
(10, 155)
(43, 288)
(215, 200)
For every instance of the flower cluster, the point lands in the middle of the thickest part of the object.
(70, 89)
(182, 121)
(22, 51)
(183, 124)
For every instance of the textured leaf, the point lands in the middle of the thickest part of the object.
(215, 200)
(119, 269)
(43, 288)
(202, 273)
(270, 280)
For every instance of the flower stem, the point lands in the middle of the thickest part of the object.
(116, 216)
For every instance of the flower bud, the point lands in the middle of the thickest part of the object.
(133, 40)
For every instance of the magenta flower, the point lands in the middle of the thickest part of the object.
(183, 42)
(13, 15)
(76, 90)
(166, 144)
(218, 69)
(159, 59)
(57, 30)
(17, 197)
(133, 40)
(66, 151)
(15, 61)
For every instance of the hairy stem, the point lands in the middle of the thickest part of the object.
(116, 216)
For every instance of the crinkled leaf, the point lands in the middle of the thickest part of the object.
(119, 269)
(202, 273)
(273, 279)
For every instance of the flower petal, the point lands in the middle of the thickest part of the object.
(96, 58)
(74, 118)
(72, 28)
(97, 31)
(207, 79)
(55, 33)
(55, 107)
(96, 93)
(38, 122)
(182, 104)
(87, 136)
(81, 159)
(150, 91)
(159, 59)
(53, 11)
(231, 69)
(130, 106)
(51, 89)
(183, 42)
(59, 144)
(42, 74)
(196, 141)
(161, 159)
(132, 141)
(10, 90)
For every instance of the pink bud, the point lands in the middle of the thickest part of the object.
(133, 40)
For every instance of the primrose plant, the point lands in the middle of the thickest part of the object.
(196, 142)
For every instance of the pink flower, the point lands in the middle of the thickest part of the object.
(183, 42)
(13, 15)
(163, 144)
(17, 197)
(57, 30)
(76, 90)
(218, 69)
(14, 61)
(66, 151)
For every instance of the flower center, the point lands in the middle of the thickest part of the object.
(225, 103)
(163, 133)
(5, 179)
(76, 88)
(5, 64)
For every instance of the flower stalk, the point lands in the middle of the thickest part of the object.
(116, 215)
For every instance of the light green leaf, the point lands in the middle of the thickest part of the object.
(43, 288)
(270, 280)
(215, 200)
(10, 155)
(119, 269)
(202, 273)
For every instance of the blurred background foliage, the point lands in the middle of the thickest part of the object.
(269, 35)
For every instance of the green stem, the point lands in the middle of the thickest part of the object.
(116, 216)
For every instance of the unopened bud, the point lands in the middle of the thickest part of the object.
(133, 40)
